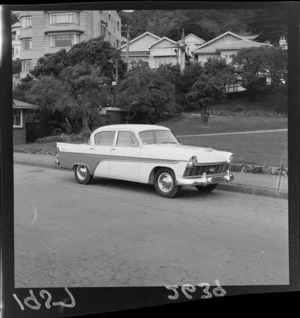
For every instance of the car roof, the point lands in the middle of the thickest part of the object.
(131, 127)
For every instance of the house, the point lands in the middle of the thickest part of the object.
(163, 52)
(19, 120)
(225, 46)
(16, 43)
(158, 51)
(46, 32)
(139, 47)
(192, 43)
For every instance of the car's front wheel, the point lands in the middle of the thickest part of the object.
(165, 183)
(208, 188)
(82, 174)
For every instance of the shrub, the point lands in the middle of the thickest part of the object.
(57, 138)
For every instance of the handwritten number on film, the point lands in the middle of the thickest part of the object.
(32, 302)
(187, 289)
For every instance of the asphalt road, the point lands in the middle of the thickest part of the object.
(114, 233)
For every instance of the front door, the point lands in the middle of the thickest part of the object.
(124, 157)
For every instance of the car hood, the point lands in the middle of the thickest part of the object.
(184, 152)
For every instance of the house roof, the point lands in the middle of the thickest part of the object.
(163, 39)
(23, 105)
(217, 38)
(239, 45)
(140, 36)
(249, 37)
(191, 34)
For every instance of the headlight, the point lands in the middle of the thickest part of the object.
(230, 159)
(192, 162)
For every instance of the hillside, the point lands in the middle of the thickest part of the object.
(268, 24)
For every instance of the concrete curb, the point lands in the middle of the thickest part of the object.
(223, 187)
(253, 190)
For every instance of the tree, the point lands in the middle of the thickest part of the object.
(225, 72)
(256, 65)
(14, 17)
(85, 73)
(85, 87)
(269, 24)
(16, 66)
(22, 88)
(206, 91)
(147, 94)
(211, 85)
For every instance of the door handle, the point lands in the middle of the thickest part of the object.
(92, 148)
(113, 148)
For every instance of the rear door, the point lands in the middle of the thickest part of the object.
(104, 141)
(124, 156)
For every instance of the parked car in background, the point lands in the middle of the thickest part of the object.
(146, 154)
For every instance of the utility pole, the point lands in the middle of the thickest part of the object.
(182, 52)
(117, 72)
(127, 47)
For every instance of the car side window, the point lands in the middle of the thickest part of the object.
(127, 139)
(104, 138)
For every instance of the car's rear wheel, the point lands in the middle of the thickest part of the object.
(208, 188)
(165, 183)
(82, 174)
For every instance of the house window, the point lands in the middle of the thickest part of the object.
(26, 65)
(26, 22)
(17, 118)
(26, 44)
(14, 36)
(118, 43)
(109, 17)
(64, 40)
(159, 61)
(118, 26)
(64, 17)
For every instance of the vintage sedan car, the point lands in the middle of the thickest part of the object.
(146, 154)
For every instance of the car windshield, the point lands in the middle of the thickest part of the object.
(150, 137)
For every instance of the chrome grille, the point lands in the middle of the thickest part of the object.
(197, 171)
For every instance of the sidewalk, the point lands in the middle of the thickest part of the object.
(256, 184)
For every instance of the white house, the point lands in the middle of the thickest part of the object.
(139, 47)
(163, 52)
(225, 46)
(158, 51)
(192, 43)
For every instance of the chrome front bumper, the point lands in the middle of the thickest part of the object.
(205, 180)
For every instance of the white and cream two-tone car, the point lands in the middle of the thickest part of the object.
(146, 154)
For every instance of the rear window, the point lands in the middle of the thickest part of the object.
(104, 138)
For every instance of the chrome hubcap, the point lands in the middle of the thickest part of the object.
(81, 172)
(165, 182)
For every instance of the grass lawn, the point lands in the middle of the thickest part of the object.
(188, 124)
(265, 149)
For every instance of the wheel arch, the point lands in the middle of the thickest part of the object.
(82, 164)
(154, 170)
